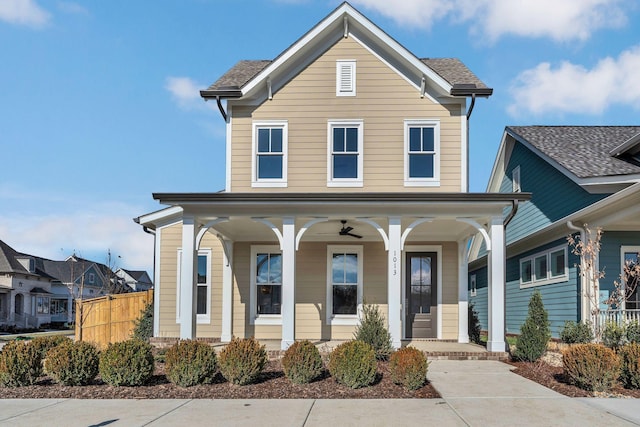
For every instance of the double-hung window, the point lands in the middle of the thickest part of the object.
(631, 276)
(344, 284)
(266, 285)
(203, 286)
(544, 268)
(270, 154)
(422, 153)
(345, 153)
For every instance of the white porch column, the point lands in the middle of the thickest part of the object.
(496, 309)
(463, 292)
(394, 298)
(188, 281)
(227, 292)
(288, 282)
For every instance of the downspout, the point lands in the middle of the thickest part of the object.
(583, 237)
(153, 233)
(469, 111)
(507, 220)
(221, 108)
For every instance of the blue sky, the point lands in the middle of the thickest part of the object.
(100, 106)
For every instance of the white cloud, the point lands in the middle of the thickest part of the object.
(571, 88)
(563, 20)
(186, 92)
(24, 12)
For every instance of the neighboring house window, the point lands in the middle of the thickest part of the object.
(544, 268)
(422, 153)
(270, 154)
(92, 278)
(266, 285)
(344, 284)
(42, 305)
(630, 259)
(515, 180)
(346, 78)
(473, 285)
(203, 286)
(59, 306)
(345, 153)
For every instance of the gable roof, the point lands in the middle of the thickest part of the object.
(584, 151)
(8, 260)
(449, 75)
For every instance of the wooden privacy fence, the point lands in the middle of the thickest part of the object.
(110, 318)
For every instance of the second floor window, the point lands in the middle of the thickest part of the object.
(345, 154)
(422, 145)
(270, 159)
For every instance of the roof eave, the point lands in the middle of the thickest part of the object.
(470, 90)
(226, 92)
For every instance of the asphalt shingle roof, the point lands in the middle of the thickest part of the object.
(240, 74)
(582, 150)
(8, 261)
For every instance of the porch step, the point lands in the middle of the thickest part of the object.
(463, 355)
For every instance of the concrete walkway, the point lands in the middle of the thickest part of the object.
(474, 393)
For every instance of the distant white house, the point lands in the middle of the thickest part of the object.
(135, 280)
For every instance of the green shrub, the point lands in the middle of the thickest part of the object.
(473, 324)
(353, 364)
(242, 361)
(302, 362)
(46, 343)
(20, 364)
(408, 367)
(72, 363)
(534, 333)
(613, 335)
(373, 331)
(127, 363)
(576, 333)
(591, 367)
(191, 362)
(633, 332)
(143, 327)
(630, 365)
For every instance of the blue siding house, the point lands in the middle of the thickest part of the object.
(578, 176)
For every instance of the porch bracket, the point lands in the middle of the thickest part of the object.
(410, 228)
(226, 247)
(273, 228)
(306, 227)
(478, 227)
(377, 226)
(206, 228)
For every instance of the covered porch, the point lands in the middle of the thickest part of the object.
(398, 230)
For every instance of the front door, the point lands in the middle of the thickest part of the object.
(421, 294)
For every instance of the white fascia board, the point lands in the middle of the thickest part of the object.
(334, 22)
(630, 143)
(161, 216)
(497, 172)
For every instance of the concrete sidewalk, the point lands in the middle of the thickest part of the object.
(474, 393)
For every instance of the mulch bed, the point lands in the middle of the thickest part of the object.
(553, 377)
(271, 385)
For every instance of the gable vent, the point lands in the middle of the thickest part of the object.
(346, 78)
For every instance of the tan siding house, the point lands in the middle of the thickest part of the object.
(346, 185)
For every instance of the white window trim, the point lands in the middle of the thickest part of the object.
(422, 182)
(345, 182)
(623, 250)
(255, 318)
(339, 64)
(344, 319)
(516, 185)
(271, 182)
(92, 278)
(549, 279)
(473, 282)
(200, 318)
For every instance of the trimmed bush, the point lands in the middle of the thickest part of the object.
(592, 367)
(143, 327)
(534, 333)
(576, 333)
(353, 364)
(127, 363)
(408, 367)
(630, 365)
(633, 332)
(473, 324)
(191, 362)
(613, 335)
(242, 361)
(46, 343)
(373, 331)
(302, 362)
(20, 364)
(72, 363)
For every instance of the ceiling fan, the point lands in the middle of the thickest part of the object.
(346, 230)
